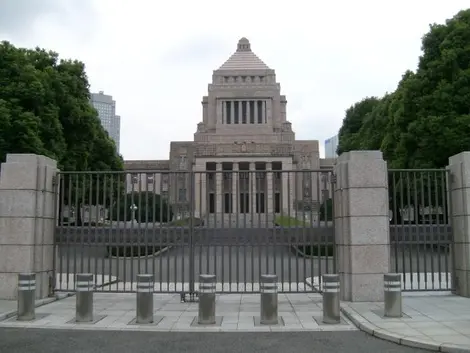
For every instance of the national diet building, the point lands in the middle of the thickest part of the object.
(244, 158)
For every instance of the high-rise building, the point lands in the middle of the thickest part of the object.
(331, 145)
(106, 107)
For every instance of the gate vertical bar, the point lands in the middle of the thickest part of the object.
(190, 235)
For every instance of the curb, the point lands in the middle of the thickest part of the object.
(373, 330)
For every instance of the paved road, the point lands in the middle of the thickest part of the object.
(231, 264)
(78, 341)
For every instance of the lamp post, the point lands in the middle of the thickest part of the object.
(133, 208)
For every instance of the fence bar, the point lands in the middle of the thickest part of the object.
(144, 307)
(84, 297)
(269, 300)
(331, 309)
(26, 296)
(392, 295)
(207, 286)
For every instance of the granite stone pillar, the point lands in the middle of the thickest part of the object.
(218, 188)
(235, 188)
(459, 188)
(27, 221)
(362, 225)
(253, 188)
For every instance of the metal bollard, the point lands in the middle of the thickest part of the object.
(392, 295)
(26, 296)
(84, 294)
(331, 289)
(269, 300)
(144, 309)
(206, 314)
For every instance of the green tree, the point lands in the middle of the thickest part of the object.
(150, 207)
(45, 109)
(427, 119)
(349, 138)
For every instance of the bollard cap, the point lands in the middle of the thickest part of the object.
(206, 278)
(26, 276)
(268, 278)
(392, 276)
(145, 278)
(330, 278)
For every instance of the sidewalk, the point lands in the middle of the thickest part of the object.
(8, 308)
(235, 313)
(434, 321)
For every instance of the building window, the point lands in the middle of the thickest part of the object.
(227, 175)
(211, 203)
(228, 111)
(150, 178)
(134, 178)
(182, 195)
(244, 175)
(244, 112)
(260, 111)
(277, 175)
(260, 203)
(244, 202)
(235, 111)
(277, 202)
(260, 175)
(228, 203)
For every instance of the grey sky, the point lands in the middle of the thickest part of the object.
(156, 58)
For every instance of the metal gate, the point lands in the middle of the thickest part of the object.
(237, 225)
(421, 235)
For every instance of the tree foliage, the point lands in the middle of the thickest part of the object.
(45, 109)
(150, 207)
(427, 118)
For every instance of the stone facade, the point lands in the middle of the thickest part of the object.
(244, 127)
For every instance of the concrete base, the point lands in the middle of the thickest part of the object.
(380, 313)
(280, 321)
(96, 318)
(319, 321)
(218, 322)
(156, 321)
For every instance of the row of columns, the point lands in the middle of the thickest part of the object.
(286, 189)
(229, 118)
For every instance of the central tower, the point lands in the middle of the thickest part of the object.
(244, 103)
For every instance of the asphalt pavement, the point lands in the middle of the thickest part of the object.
(81, 341)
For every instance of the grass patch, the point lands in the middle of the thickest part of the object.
(196, 222)
(286, 221)
(315, 250)
(133, 251)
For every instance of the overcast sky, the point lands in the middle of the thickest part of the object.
(156, 57)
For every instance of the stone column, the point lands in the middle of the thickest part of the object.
(235, 188)
(200, 198)
(287, 188)
(232, 112)
(248, 116)
(269, 189)
(256, 111)
(224, 118)
(239, 112)
(27, 222)
(362, 225)
(218, 188)
(252, 187)
(459, 188)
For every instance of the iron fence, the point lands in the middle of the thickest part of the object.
(236, 224)
(420, 228)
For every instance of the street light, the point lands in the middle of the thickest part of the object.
(133, 208)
